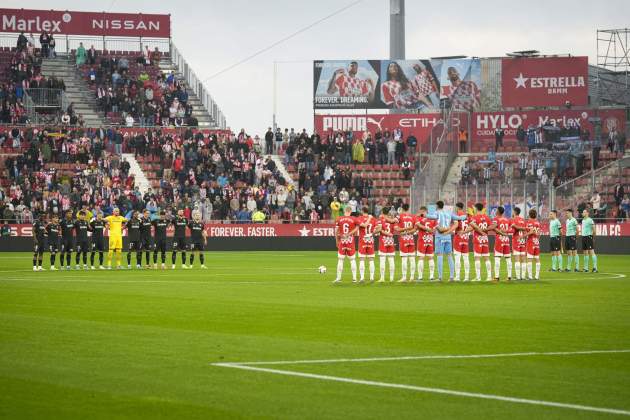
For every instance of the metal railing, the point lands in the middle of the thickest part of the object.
(197, 86)
(505, 192)
(46, 98)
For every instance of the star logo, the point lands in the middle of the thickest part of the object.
(304, 231)
(520, 81)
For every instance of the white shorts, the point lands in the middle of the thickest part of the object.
(517, 253)
(534, 257)
(484, 254)
(344, 256)
(407, 254)
(501, 254)
(420, 254)
(386, 254)
(366, 255)
(460, 253)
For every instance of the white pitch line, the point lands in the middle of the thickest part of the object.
(425, 357)
(428, 389)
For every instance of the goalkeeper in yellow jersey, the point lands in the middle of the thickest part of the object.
(115, 223)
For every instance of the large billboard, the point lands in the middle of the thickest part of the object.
(396, 84)
(85, 23)
(547, 81)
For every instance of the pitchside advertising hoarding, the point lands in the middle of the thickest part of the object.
(85, 23)
(482, 124)
(546, 81)
(396, 84)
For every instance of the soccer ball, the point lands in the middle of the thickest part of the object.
(322, 269)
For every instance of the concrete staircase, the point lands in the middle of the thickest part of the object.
(199, 110)
(282, 169)
(77, 91)
(142, 181)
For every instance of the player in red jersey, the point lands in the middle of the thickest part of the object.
(386, 248)
(367, 227)
(533, 245)
(345, 229)
(519, 244)
(461, 246)
(406, 228)
(502, 226)
(426, 244)
(481, 246)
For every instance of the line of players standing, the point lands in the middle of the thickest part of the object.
(516, 237)
(84, 236)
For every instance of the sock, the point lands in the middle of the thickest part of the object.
(85, 258)
(466, 267)
(339, 268)
(559, 257)
(173, 257)
(537, 269)
(594, 262)
(553, 262)
(403, 263)
(100, 257)
(35, 260)
(183, 257)
(530, 272)
(353, 268)
(77, 258)
(53, 257)
(412, 267)
(517, 270)
(202, 258)
(488, 269)
(497, 266)
(362, 269)
(458, 258)
(372, 269)
(118, 257)
(586, 261)
(110, 253)
(163, 257)
(139, 258)
(68, 258)
(431, 267)
(523, 270)
(381, 266)
(392, 267)
(440, 261)
(128, 258)
(508, 263)
(147, 257)
(451, 266)
(478, 269)
(41, 259)
(570, 262)
(420, 268)
(155, 257)
(576, 260)
(192, 259)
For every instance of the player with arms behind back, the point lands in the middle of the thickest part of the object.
(502, 227)
(406, 228)
(367, 227)
(345, 228)
(386, 248)
(481, 245)
(533, 245)
(426, 245)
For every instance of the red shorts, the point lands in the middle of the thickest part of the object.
(346, 249)
(501, 248)
(426, 249)
(533, 251)
(366, 249)
(519, 245)
(407, 248)
(460, 246)
(481, 249)
(386, 246)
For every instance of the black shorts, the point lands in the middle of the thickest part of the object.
(53, 246)
(587, 243)
(134, 246)
(146, 244)
(67, 245)
(197, 246)
(554, 243)
(180, 244)
(160, 245)
(570, 243)
(98, 244)
(40, 246)
(83, 246)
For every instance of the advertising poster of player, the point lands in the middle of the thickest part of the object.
(345, 84)
(409, 84)
(460, 81)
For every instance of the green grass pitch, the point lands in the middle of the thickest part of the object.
(150, 343)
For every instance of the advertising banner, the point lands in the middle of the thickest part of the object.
(486, 123)
(547, 81)
(84, 23)
(397, 84)
(270, 230)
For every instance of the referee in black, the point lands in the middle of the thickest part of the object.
(179, 240)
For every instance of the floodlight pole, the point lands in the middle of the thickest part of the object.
(396, 29)
(275, 94)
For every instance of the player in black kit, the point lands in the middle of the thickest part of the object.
(97, 226)
(160, 226)
(39, 238)
(145, 239)
(179, 239)
(198, 239)
(52, 230)
(67, 240)
(133, 234)
(81, 227)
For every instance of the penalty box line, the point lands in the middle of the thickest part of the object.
(256, 367)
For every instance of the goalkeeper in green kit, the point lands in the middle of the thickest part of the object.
(588, 247)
